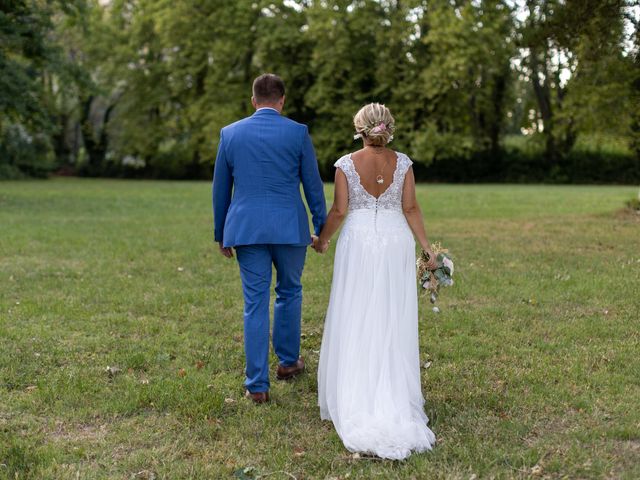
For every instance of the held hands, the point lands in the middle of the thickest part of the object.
(318, 245)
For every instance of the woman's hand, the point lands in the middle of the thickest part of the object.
(432, 264)
(336, 214)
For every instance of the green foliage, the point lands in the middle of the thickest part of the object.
(22, 153)
(635, 94)
(344, 44)
(466, 92)
(23, 31)
(592, 159)
(149, 83)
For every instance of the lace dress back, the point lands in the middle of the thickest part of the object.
(359, 198)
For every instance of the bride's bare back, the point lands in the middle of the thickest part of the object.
(371, 173)
(376, 167)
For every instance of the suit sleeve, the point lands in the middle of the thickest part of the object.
(222, 187)
(312, 183)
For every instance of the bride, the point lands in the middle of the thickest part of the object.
(369, 370)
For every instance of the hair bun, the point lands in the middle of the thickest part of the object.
(375, 123)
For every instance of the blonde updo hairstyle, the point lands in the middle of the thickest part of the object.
(375, 124)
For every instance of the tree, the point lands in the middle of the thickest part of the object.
(35, 83)
(572, 56)
(25, 121)
(634, 137)
(143, 87)
(465, 83)
(344, 36)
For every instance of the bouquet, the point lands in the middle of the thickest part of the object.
(432, 280)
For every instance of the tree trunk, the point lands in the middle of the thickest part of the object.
(543, 97)
(88, 137)
(60, 145)
(95, 143)
(499, 95)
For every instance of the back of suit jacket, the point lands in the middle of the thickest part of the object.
(260, 164)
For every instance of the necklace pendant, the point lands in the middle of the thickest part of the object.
(379, 179)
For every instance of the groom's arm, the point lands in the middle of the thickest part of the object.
(312, 183)
(222, 187)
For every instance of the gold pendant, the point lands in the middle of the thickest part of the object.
(379, 179)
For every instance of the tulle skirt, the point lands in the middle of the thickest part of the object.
(369, 370)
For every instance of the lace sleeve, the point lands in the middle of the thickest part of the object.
(404, 164)
(341, 163)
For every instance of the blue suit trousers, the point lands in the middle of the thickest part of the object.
(255, 263)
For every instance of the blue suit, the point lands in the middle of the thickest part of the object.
(258, 210)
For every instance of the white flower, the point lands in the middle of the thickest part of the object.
(449, 264)
(425, 285)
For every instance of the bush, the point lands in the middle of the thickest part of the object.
(169, 162)
(10, 172)
(593, 159)
(23, 154)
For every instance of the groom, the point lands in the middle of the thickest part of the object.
(263, 159)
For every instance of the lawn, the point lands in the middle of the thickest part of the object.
(121, 340)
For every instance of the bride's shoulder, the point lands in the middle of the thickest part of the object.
(404, 163)
(342, 162)
(404, 158)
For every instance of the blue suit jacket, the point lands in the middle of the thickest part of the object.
(263, 159)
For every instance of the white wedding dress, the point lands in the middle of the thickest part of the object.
(369, 370)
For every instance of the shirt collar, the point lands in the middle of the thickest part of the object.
(268, 108)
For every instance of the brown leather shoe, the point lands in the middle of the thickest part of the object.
(257, 397)
(285, 373)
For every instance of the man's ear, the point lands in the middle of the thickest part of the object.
(253, 102)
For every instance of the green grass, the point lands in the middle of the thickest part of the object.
(535, 365)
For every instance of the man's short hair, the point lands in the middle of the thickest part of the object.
(268, 88)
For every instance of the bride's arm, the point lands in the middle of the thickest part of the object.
(413, 214)
(337, 213)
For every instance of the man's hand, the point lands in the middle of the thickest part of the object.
(314, 242)
(226, 251)
(318, 245)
